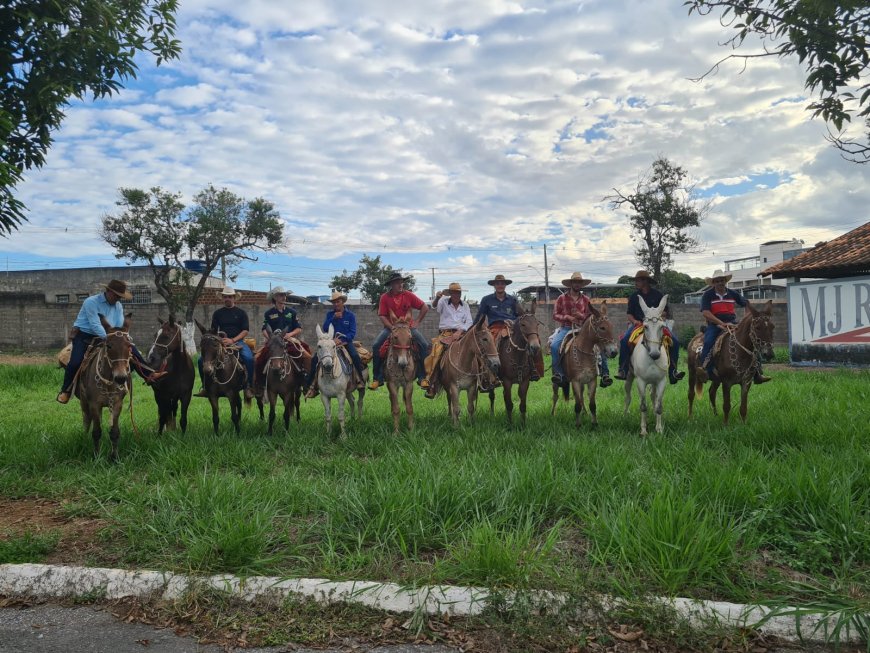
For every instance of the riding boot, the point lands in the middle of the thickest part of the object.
(201, 393)
(759, 378)
(675, 375)
(313, 390)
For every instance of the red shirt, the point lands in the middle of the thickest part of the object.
(399, 304)
(566, 306)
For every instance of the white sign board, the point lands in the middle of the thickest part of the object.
(830, 312)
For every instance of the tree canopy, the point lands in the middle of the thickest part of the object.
(55, 50)
(829, 38)
(369, 278)
(664, 211)
(220, 227)
(676, 285)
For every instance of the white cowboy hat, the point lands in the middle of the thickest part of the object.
(277, 290)
(718, 274)
(576, 277)
(337, 295)
(229, 291)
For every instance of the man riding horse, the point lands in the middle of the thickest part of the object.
(571, 311)
(455, 319)
(280, 317)
(718, 308)
(643, 283)
(500, 310)
(232, 321)
(396, 303)
(88, 330)
(343, 323)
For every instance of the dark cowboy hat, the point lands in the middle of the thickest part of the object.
(643, 274)
(394, 276)
(119, 288)
(500, 277)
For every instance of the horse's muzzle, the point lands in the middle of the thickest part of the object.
(494, 363)
(655, 355)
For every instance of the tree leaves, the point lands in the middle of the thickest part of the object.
(369, 278)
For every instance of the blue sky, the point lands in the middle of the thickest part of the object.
(449, 135)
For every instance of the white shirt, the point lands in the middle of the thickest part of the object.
(453, 317)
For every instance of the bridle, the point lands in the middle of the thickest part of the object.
(391, 362)
(757, 344)
(103, 356)
(592, 325)
(167, 345)
(220, 358)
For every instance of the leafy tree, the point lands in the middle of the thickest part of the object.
(369, 278)
(55, 50)
(672, 283)
(829, 38)
(219, 227)
(664, 210)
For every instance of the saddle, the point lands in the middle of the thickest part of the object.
(637, 336)
(566, 343)
(501, 330)
(714, 350)
(365, 355)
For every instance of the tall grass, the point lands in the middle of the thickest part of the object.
(701, 510)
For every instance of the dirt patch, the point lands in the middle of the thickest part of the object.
(79, 536)
(28, 358)
(786, 367)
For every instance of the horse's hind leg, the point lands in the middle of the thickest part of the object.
(714, 387)
(272, 401)
(629, 381)
(115, 431)
(726, 402)
(508, 400)
(659, 404)
(592, 405)
(555, 399)
(170, 418)
(523, 395)
(327, 412)
(408, 395)
(236, 411)
(744, 400)
(96, 428)
(641, 391)
(577, 386)
(288, 408)
(185, 404)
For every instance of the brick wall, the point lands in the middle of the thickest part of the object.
(27, 322)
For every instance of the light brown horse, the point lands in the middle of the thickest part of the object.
(580, 361)
(465, 364)
(737, 361)
(400, 368)
(169, 354)
(102, 382)
(283, 378)
(223, 375)
(516, 354)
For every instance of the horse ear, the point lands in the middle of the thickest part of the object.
(331, 332)
(603, 309)
(594, 310)
(520, 309)
(160, 320)
(269, 329)
(663, 304)
(643, 305)
(126, 325)
(769, 307)
(751, 309)
(534, 306)
(199, 326)
(409, 316)
(171, 320)
(103, 321)
(319, 332)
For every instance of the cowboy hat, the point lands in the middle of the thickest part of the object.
(119, 288)
(644, 275)
(395, 276)
(337, 295)
(576, 277)
(500, 277)
(718, 274)
(278, 290)
(229, 291)
(453, 287)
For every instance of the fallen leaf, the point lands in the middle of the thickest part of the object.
(625, 636)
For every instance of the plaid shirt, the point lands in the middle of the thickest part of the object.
(566, 306)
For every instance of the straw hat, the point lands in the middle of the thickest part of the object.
(576, 277)
(643, 274)
(395, 276)
(229, 291)
(337, 295)
(119, 288)
(277, 290)
(453, 287)
(718, 274)
(500, 277)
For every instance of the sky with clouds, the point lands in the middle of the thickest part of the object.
(459, 136)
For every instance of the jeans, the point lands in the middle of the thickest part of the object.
(354, 357)
(558, 370)
(625, 352)
(378, 363)
(245, 355)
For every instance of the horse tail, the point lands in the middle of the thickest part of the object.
(699, 389)
(248, 401)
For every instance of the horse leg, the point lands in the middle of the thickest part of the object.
(185, 403)
(86, 416)
(641, 391)
(555, 399)
(236, 411)
(96, 428)
(288, 407)
(744, 400)
(660, 396)
(523, 394)
(394, 405)
(341, 399)
(593, 388)
(726, 401)
(629, 381)
(408, 394)
(453, 403)
(115, 430)
(327, 412)
(215, 416)
(508, 400)
(273, 399)
(694, 386)
(578, 400)
(361, 395)
(714, 386)
(171, 409)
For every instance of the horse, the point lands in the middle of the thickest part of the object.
(465, 363)
(335, 379)
(580, 360)
(223, 375)
(737, 360)
(400, 369)
(283, 378)
(169, 354)
(649, 364)
(516, 355)
(102, 382)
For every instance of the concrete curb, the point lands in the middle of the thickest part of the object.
(54, 581)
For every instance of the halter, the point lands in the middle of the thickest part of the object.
(103, 355)
(400, 326)
(480, 355)
(590, 324)
(757, 344)
(177, 334)
(336, 369)
(647, 341)
(220, 359)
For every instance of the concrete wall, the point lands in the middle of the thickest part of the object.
(28, 322)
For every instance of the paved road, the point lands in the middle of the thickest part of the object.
(87, 629)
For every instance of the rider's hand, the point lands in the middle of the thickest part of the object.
(338, 342)
(228, 342)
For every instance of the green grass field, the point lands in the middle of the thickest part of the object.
(748, 512)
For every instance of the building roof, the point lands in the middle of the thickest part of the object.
(845, 256)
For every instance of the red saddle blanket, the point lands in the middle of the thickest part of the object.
(385, 348)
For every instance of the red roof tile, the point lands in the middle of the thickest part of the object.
(845, 256)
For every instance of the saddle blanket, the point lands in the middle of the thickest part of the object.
(637, 335)
(385, 348)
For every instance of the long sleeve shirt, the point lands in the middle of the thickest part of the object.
(453, 317)
(567, 306)
(88, 319)
(343, 327)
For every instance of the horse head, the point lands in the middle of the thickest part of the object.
(118, 349)
(167, 341)
(761, 330)
(601, 329)
(527, 325)
(210, 347)
(485, 345)
(277, 346)
(653, 326)
(401, 339)
(326, 348)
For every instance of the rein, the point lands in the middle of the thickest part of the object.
(756, 342)
(220, 359)
(479, 356)
(108, 387)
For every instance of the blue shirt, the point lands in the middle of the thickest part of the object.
(285, 319)
(495, 310)
(88, 319)
(344, 327)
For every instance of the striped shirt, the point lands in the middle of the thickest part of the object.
(722, 306)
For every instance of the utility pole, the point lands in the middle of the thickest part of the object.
(433, 284)
(547, 289)
(224, 270)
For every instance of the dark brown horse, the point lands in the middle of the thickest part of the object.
(400, 369)
(517, 353)
(283, 378)
(168, 354)
(580, 361)
(223, 375)
(737, 361)
(102, 382)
